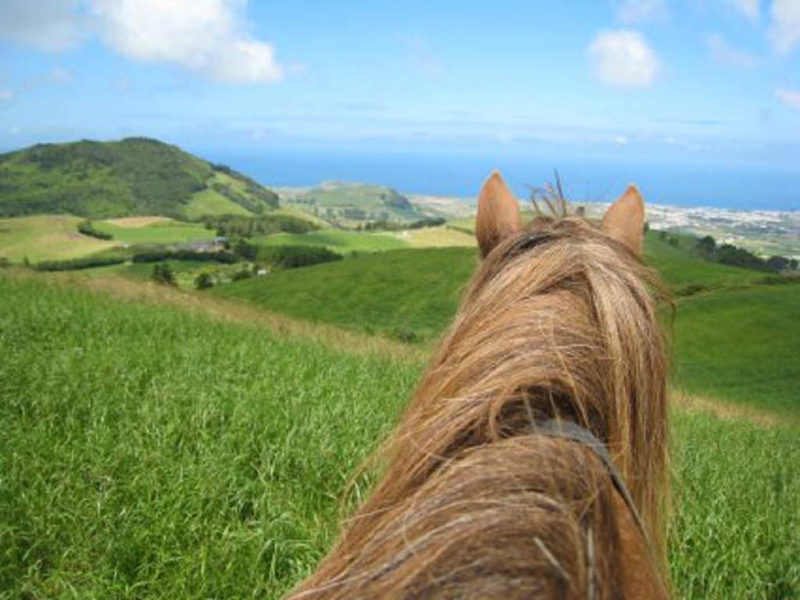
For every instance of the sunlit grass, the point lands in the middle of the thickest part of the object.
(148, 451)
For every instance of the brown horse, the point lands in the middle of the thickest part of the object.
(531, 462)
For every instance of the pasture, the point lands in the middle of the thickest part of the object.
(163, 231)
(47, 237)
(151, 451)
(343, 242)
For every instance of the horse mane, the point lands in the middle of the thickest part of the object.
(560, 322)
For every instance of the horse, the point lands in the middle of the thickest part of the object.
(532, 459)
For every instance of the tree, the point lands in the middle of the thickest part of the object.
(163, 274)
(778, 263)
(706, 246)
(204, 281)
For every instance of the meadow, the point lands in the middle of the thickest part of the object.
(46, 237)
(154, 451)
(163, 231)
(734, 335)
(341, 241)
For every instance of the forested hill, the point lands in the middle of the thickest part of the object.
(135, 176)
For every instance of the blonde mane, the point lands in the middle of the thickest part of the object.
(560, 322)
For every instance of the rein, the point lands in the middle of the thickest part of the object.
(575, 433)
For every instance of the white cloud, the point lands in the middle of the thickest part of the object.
(790, 98)
(724, 54)
(636, 11)
(44, 24)
(749, 8)
(209, 37)
(6, 95)
(785, 27)
(205, 36)
(623, 59)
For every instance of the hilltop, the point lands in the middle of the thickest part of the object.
(132, 177)
(351, 203)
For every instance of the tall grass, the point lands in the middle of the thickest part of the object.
(147, 452)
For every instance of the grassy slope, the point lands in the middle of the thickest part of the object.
(366, 293)
(46, 237)
(340, 241)
(372, 199)
(169, 232)
(724, 340)
(135, 176)
(742, 345)
(436, 237)
(56, 237)
(401, 292)
(211, 202)
(147, 452)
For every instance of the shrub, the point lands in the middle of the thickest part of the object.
(162, 255)
(163, 274)
(243, 274)
(87, 228)
(79, 263)
(203, 281)
(291, 257)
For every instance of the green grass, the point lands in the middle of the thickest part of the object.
(734, 343)
(170, 232)
(135, 176)
(736, 526)
(46, 237)
(743, 346)
(211, 202)
(683, 271)
(152, 453)
(410, 294)
(377, 201)
(340, 241)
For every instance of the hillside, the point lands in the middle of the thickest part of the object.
(132, 177)
(734, 335)
(350, 203)
(155, 453)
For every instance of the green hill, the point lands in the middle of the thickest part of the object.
(151, 452)
(350, 203)
(735, 336)
(132, 177)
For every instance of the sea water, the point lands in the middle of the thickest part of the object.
(738, 186)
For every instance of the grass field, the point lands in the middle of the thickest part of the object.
(743, 346)
(736, 341)
(164, 231)
(410, 294)
(436, 237)
(211, 202)
(340, 241)
(148, 452)
(46, 237)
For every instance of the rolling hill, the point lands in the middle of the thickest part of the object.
(151, 451)
(350, 203)
(132, 177)
(734, 334)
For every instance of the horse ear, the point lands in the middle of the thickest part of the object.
(624, 220)
(498, 214)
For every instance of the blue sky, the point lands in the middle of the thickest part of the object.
(675, 80)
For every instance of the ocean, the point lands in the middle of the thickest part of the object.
(732, 186)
